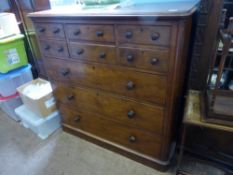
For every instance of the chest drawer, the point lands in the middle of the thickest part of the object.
(128, 112)
(88, 32)
(97, 53)
(54, 48)
(45, 30)
(145, 59)
(131, 138)
(136, 34)
(114, 79)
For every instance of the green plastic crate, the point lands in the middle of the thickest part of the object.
(12, 53)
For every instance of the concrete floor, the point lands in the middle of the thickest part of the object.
(23, 153)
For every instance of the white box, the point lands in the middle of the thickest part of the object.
(9, 106)
(13, 79)
(8, 25)
(43, 127)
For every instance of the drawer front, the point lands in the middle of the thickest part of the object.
(153, 35)
(99, 33)
(54, 48)
(125, 82)
(131, 138)
(50, 30)
(131, 113)
(96, 53)
(145, 59)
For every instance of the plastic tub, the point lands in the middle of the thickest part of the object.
(12, 53)
(13, 79)
(9, 104)
(43, 127)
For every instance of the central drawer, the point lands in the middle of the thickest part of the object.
(122, 81)
(132, 138)
(140, 115)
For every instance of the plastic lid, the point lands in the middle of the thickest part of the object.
(11, 38)
(15, 71)
(9, 97)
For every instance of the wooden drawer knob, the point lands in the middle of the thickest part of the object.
(129, 35)
(47, 47)
(99, 33)
(154, 61)
(130, 57)
(155, 36)
(77, 32)
(130, 85)
(70, 97)
(77, 118)
(131, 114)
(132, 139)
(41, 29)
(60, 49)
(102, 55)
(57, 30)
(80, 51)
(65, 72)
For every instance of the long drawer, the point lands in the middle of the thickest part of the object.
(138, 85)
(132, 138)
(140, 115)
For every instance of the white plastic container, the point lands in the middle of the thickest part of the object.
(13, 79)
(8, 25)
(8, 105)
(43, 127)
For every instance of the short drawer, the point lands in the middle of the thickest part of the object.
(135, 34)
(46, 30)
(54, 48)
(141, 115)
(110, 78)
(96, 53)
(156, 60)
(131, 138)
(88, 32)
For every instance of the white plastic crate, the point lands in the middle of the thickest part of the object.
(13, 79)
(9, 106)
(43, 127)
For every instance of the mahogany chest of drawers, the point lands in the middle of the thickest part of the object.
(118, 76)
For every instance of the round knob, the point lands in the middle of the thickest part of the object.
(57, 30)
(132, 139)
(41, 30)
(61, 49)
(130, 85)
(128, 35)
(47, 47)
(70, 97)
(130, 57)
(154, 61)
(80, 51)
(77, 119)
(99, 33)
(102, 55)
(131, 114)
(77, 32)
(65, 71)
(155, 36)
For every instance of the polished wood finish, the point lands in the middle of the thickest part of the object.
(130, 137)
(130, 112)
(155, 60)
(95, 53)
(45, 30)
(121, 84)
(133, 84)
(101, 33)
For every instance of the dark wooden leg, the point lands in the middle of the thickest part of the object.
(181, 152)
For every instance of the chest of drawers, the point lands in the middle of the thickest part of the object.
(118, 77)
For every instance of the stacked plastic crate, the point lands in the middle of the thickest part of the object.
(14, 67)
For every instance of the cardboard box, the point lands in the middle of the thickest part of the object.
(43, 106)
